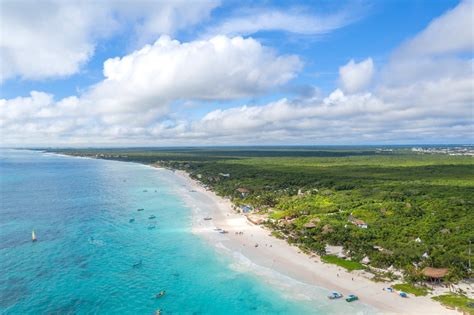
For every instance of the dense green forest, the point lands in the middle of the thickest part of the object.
(391, 206)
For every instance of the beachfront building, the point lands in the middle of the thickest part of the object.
(357, 222)
(243, 191)
(435, 275)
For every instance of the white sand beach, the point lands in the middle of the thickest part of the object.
(274, 257)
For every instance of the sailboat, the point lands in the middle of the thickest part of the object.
(33, 236)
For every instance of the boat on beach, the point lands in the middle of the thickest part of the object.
(351, 298)
(334, 295)
(207, 218)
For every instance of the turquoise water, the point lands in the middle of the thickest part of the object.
(83, 261)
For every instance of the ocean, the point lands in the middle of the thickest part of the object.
(89, 258)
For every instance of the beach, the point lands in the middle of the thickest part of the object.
(281, 264)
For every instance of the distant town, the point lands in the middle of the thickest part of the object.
(460, 150)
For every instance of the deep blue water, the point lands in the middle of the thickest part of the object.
(83, 261)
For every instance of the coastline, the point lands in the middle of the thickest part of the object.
(278, 263)
(276, 258)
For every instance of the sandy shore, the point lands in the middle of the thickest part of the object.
(276, 261)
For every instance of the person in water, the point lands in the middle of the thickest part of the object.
(160, 294)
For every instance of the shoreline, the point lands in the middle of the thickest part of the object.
(288, 261)
(276, 258)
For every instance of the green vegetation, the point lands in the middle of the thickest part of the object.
(418, 208)
(459, 302)
(409, 288)
(348, 264)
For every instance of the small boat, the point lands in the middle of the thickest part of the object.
(207, 218)
(223, 232)
(145, 190)
(151, 217)
(403, 295)
(138, 264)
(160, 294)
(390, 290)
(351, 298)
(131, 220)
(140, 209)
(217, 229)
(158, 311)
(334, 295)
(33, 236)
(151, 227)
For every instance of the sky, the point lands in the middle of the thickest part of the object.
(173, 73)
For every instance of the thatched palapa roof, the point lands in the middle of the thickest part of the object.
(309, 225)
(435, 272)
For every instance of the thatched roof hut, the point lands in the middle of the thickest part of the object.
(435, 273)
(327, 229)
(309, 225)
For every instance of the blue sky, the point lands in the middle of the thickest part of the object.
(304, 44)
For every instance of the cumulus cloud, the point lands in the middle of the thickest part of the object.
(291, 20)
(54, 38)
(356, 76)
(450, 33)
(442, 50)
(31, 45)
(139, 88)
(220, 68)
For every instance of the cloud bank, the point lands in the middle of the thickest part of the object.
(414, 99)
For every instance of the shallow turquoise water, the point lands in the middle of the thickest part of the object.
(83, 262)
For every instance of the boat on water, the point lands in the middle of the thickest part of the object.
(151, 217)
(138, 264)
(33, 236)
(151, 227)
(140, 209)
(334, 295)
(351, 298)
(131, 220)
(207, 218)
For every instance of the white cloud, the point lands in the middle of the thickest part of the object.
(442, 50)
(54, 38)
(450, 33)
(152, 19)
(44, 39)
(139, 88)
(220, 68)
(290, 20)
(356, 76)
